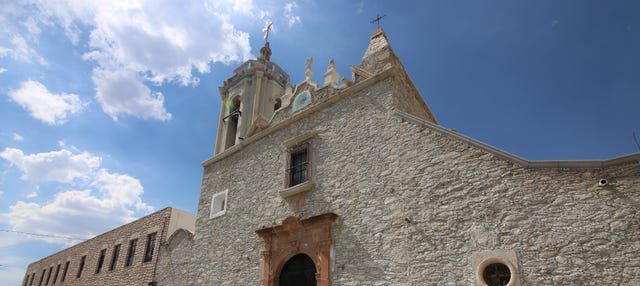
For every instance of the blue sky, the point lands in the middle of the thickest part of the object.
(108, 109)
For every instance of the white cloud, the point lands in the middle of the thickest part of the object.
(121, 189)
(137, 43)
(17, 137)
(23, 52)
(50, 108)
(120, 92)
(360, 7)
(100, 201)
(74, 213)
(2, 70)
(57, 166)
(289, 14)
(32, 195)
(11, 275)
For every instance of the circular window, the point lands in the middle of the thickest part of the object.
(496, 274)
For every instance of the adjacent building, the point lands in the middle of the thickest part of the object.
(127, 255)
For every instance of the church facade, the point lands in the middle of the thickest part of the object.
(356, 183)
(353, 182)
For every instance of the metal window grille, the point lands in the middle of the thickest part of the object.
(103, 253)
(131, 252)
(151, 243)
(299, 165)
(81, 267)
(64, 272)
(114, 257)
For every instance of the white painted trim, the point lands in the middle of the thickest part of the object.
(482, 259)
(224, 207)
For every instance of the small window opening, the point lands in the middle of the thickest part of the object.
(42, 276)
(299, 165)
(151, 245)
(81, 267)
(64, 272)
(33, 276)
(496, 274)
(114, 257)
(103, 253)
(49, 275)
(219, 204)
(131, 252)
(277, 105)
(55, 277)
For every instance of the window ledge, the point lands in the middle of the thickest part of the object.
(218, 214)
(297, 189)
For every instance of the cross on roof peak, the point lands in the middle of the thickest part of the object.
(377, 19)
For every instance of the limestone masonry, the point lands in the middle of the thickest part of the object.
(354, 182)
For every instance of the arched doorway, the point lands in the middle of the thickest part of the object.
(298, 271)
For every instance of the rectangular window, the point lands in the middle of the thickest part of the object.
(114, 257)
(151, 244)
(42, 276)
(219, 204)
(81, 266)
(131, 252)
(64, 272)
(55, 277)
(299, 170)
(49, 275)
(33, 276)
(103, 253)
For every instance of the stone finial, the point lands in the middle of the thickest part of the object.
(266, 52)
(331, 76)
(308, 71)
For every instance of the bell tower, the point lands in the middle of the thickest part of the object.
(250, 98)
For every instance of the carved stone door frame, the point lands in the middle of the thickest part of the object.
(311, 236)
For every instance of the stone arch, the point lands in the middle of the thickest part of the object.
(277, 104)
(232, 120)
(299, 270)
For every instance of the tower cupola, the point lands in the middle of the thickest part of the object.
(250, 98)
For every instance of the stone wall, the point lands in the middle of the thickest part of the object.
(416, 206)
(174, 259)
(139, 273)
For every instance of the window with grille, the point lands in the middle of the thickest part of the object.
(49, 275)
(131, 252)
(496, 274)
(151, 244)
(299, 168)
(55, 277)
(103, 253)
(64, 272)
(114, 257)
(42, 276)
(81, 267)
